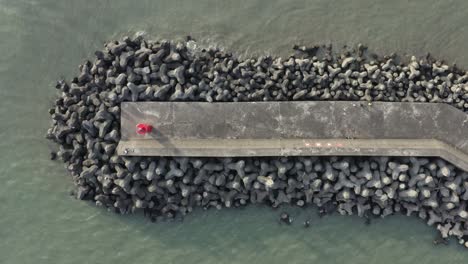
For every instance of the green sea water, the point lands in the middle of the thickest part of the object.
(44, 40)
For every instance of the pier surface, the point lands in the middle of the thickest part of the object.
(295, 128)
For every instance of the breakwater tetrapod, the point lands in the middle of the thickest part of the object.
(169, 126)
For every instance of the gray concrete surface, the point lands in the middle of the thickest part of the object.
(296, 129)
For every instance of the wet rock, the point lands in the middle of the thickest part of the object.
(286, 218)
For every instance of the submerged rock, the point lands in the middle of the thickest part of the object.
(286, 218)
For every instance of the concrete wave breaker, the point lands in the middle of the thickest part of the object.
(324, 128)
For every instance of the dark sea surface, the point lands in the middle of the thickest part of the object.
(43, 41)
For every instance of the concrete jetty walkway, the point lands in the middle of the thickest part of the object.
(295, 128)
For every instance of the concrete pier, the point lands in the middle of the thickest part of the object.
(331, 128)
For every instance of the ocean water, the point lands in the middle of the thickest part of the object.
(44, 40)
